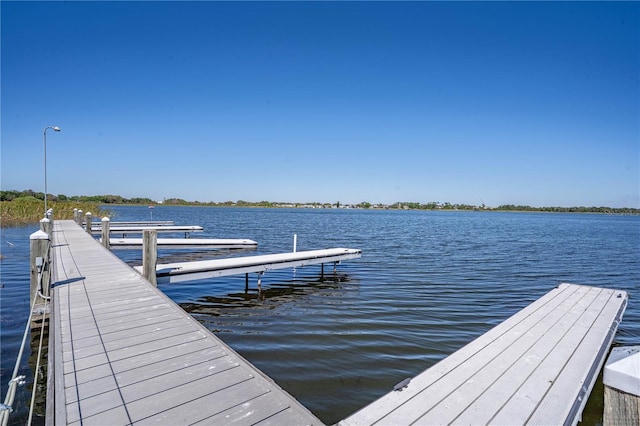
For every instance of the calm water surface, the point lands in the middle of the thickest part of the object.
(427, 284)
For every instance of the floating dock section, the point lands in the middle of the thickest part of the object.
(137, 223)
(204, 269)
(537, 367)
(125, 230)
(123, 353)
(184, 243)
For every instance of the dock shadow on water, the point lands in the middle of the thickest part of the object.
(272, 295)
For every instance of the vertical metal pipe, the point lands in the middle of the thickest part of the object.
(55, 129)
(45, 169)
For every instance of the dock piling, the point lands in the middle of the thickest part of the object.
(46, 226)
(87, 225)
(40, 270)
(149, 255)
(622, 387)
(106, 233)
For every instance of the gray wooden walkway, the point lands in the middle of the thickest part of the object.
(122, 353)
(537, 367)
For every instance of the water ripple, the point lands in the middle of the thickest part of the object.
(427, 284)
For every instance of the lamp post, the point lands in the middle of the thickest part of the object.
(55, 129)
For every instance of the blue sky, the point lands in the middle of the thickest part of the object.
(463, 102)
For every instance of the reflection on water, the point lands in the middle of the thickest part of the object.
(270, 297)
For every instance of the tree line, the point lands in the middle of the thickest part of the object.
(99, 199)
(433, 205)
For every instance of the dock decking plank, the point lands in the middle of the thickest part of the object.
(540, 341)
(585, 369)
(503, 335)
(537, 366)
(123, 349)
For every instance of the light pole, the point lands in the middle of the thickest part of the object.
(55, 129)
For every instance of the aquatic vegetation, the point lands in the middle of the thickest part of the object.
(25, 210)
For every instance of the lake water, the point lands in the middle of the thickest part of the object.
(428, 283)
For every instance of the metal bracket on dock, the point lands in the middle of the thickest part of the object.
(260, 274)
(18, 380)
(246, 281)
(335, 269)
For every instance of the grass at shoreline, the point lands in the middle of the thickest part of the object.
(28, 210)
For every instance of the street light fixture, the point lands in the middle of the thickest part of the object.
(55, 129)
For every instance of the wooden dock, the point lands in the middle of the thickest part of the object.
(123, 353)
(204, 269)
(537, 367)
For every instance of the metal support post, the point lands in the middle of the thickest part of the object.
(149, 256)
(87, 225)
(106, 232)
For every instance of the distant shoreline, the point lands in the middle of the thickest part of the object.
(24, 206)
(613, 211)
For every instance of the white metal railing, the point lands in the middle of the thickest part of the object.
(43, 265)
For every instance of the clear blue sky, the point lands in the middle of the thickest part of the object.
(499, 102)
